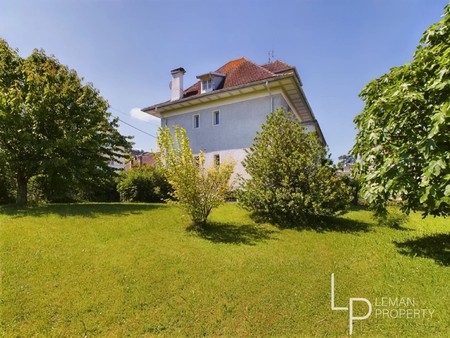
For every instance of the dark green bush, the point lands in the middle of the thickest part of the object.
(101, 191)
(59, 189)
(53, 188)
(291, 178)
(144, 184)
(7, 187)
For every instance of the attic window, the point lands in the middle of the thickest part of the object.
(210, 81)
(207, 85)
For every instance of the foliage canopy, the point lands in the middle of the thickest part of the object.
(196, 188)
(143, 184)
(291, 178)
(52, 124)
(403, 139)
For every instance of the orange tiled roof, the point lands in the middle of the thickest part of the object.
(243, 71)
(278, 67)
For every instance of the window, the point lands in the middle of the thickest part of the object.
(206, 86)
(217, 160)
(196, 121)
(216, 118)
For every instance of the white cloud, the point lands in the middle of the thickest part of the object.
(140, 115)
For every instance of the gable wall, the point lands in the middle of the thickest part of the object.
(238, 125)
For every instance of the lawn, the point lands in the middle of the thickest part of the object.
(136, 270)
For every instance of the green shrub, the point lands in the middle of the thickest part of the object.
(52, 187)
(144, 184)
(197, 189)
(102, 191)
(7, 188)
(355, 186)
(291, 177)
(44, 188)
(36, 187)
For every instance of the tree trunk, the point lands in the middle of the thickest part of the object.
(22, 192)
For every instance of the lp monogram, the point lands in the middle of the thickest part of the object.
(352, 318)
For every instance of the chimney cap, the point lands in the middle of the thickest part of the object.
(177, 70)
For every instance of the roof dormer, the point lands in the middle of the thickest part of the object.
(210, 81)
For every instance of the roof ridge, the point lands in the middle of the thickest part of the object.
(277, 61)
(237, 72)
(261, 67)
(229, 63)
(279, 67)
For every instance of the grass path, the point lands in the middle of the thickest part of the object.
(134, 270)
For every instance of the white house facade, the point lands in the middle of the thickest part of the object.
(223, 111)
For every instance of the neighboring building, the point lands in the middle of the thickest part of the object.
(140, 158)
(223, 111)
(346, 164)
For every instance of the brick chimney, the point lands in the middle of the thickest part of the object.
(176, 85)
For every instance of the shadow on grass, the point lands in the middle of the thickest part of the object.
(80, 210)
(247, 234)
(320, 224)
(436, 247)
(336, 224)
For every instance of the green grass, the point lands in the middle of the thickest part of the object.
(136, 270)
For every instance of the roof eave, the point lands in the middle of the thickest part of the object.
(319, 130)
(158, 109)
(153, 110)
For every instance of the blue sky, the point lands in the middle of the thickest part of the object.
(127, 48)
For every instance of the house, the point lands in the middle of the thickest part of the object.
(140, 158)
(225, 108)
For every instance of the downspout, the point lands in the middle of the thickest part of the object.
(271, 98)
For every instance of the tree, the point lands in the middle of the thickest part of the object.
(52, 124)
(291, 178)
(6, 184)
(196, 188)
(403, 139)
(143, 184)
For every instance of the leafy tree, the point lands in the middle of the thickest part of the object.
(58, 189)
(53, 124)
(104, 191)
(144, 184)
(6, 184)
(197, 189)
(403, 142)
(291, 177)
